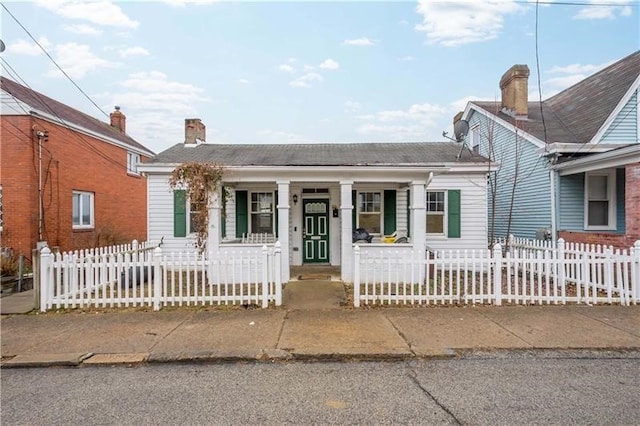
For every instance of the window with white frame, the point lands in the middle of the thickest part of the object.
(475, 138)
(262, 212)
(132, 162)
(195, 221)
(600, 200)
(435, 212)
(370, 211)
(82, 210)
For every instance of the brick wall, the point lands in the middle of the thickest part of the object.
(632, 219)
(69, 162)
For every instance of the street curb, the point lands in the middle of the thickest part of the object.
(46, 360)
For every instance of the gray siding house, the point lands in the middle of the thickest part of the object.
(544, 188)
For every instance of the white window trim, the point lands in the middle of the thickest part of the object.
(132, 168)
(611, 195)
(475, 136)
(380, 213)
(445, 213)
(188, 208)
(273, 210)
(92, 198)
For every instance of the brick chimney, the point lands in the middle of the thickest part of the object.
(515, 86)
(118, 120)
(194, 131)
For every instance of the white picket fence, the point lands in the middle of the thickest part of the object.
(530, 273)
(143, 277)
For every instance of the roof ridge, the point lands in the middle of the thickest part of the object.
(57, 109)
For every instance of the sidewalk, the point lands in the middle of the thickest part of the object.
(299, 331)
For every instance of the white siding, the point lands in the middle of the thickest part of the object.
(473, 211)
(160, 221)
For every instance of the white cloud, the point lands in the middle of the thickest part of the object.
(82, 29)
(102, 12)
(407, 58)
(457, 22)
(352, 106)
(281, 137)
(578, 68)
(568, 75)
(329, 64)
(243, 81)
(362, 41)
(182, 3)
(156, 107)
(24, 47)
(411, 124)
(77, 60)
(306, 80)
(286, 68)
(134, 51)
(609, 11)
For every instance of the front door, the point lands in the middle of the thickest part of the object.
(315, 232)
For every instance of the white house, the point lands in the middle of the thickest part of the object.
(312, 197)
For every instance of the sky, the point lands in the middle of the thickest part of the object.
(303, 72)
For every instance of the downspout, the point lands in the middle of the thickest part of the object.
(40, 136)
(552, 177)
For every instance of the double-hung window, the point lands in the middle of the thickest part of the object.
(132, 163)
(600, 200)
(195, 218)
(82, 210)
(444, 213)
(370, 211)
(262, 212)
(435, 212)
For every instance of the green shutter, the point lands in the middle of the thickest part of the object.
(389, 211)
(180, 213)
(242, 214)
(408, 213)
(453, 209)
(354, 210)
(276, 213)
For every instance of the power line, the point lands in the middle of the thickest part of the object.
(78, 135)
(544, 125)
(52, 60)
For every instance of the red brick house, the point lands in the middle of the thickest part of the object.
(66, 178)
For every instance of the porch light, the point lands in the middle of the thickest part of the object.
(295, 198)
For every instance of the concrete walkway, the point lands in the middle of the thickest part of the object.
(308, 328)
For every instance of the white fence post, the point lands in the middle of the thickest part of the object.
(497, 274)
(278, 264)
(356, 276)
(560, 271)
(265, 276)
(157, 278)
(46, 282)
(635, 272)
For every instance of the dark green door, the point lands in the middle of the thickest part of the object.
(315, 231)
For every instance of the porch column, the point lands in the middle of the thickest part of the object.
(283, 227)
(215, 232)
(418, 215)
(346, 231)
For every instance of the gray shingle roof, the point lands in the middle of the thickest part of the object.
(330, 154)
(577, 113)
(69, 115)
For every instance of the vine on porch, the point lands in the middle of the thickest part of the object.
(200, 180)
